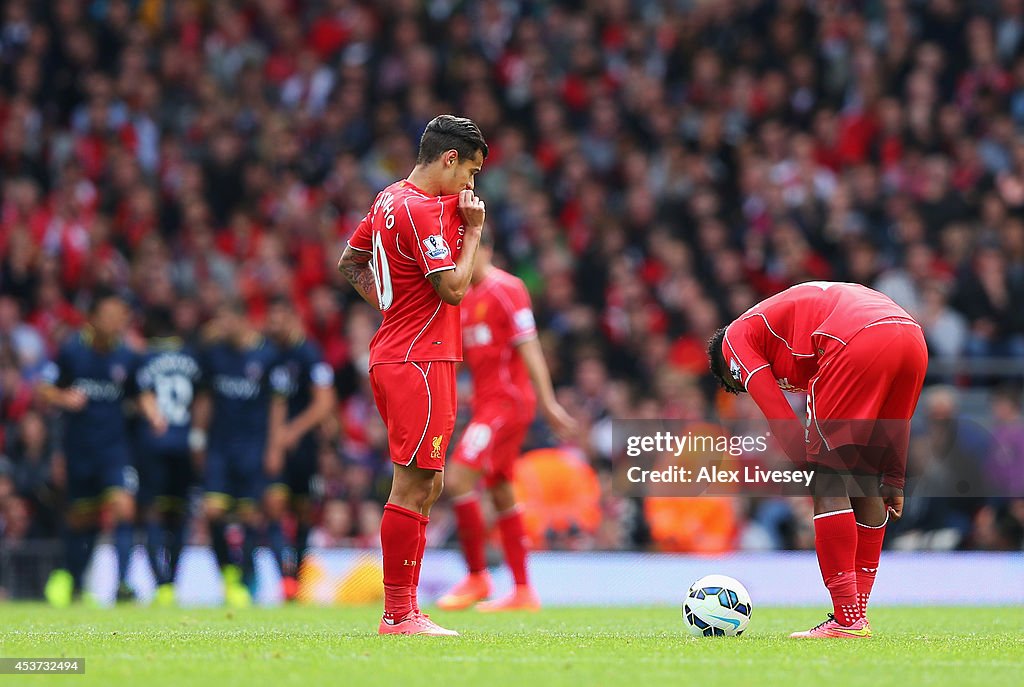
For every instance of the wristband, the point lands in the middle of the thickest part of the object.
(196, 439)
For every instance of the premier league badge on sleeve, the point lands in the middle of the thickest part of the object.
(435, 247)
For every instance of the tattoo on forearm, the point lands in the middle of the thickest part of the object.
(359, 275)
(435, 280)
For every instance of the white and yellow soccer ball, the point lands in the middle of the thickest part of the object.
(716, 606)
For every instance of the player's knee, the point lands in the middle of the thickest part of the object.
(435, 494)
(122, 506)
(419, 495)
(153, 514)
(249, 514)
(304, 511)
(80, 517)
(502, 496)
(251, 518)
(830, 504)
(274, 512)
(412, 488)
(214, 510)
(275, 504)
(460, 481)
(827, 483)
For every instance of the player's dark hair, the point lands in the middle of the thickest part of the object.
(101, 296)
(716, 360)
(1009, 392)
(159, 323)
(280, 301)
(235, 306)
(448, 132)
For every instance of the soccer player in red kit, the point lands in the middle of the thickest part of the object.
(862, 361)
(412, 258)
(510, 376)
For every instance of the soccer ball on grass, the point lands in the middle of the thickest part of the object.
(716, 606)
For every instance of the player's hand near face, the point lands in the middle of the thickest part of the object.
(893, 499)
(451, 285)
(472, 209)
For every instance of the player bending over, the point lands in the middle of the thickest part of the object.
(509, 374)
(862, 361)
(412, 258)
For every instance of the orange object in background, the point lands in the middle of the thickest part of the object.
(558, 492)
(705, 524)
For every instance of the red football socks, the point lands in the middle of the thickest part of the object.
(835, 540)
(869, 551)
(472, 532)
(419, 562)
(400, 534)
(513, 540)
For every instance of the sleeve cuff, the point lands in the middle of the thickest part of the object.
(894, 481)
(524, 337)
(443, 268)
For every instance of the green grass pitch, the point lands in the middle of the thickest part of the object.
(316, 647)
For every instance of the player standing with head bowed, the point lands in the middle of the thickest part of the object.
(509, 377)
(230, 439)
(307, 383)
(170, 371)
(90, 381)
(412, 258)
(862, 361)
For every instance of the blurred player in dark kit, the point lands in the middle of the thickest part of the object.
(229, 439)
(307, 400)
(90, 381)
(170, 371)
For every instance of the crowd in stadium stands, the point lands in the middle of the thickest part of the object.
(656, 167)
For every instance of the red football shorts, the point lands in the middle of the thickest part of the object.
(492, 441)
(865, 393)
(417, 402)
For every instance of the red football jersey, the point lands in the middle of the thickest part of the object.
(496, 317)
(412, 235)
(783, 342)
(787, 334)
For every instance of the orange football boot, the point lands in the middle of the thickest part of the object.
(474, 587)
(522, 598)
